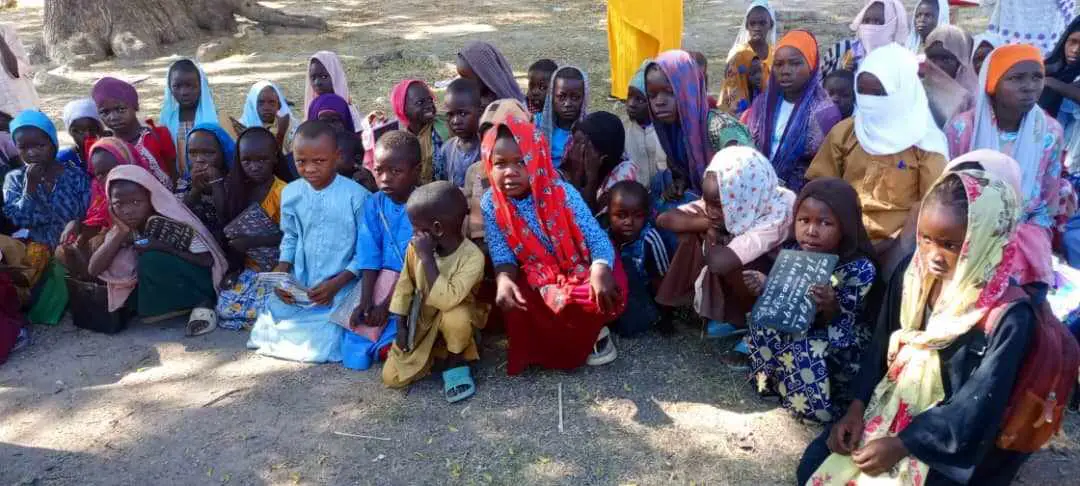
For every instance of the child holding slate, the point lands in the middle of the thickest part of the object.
(811, 371)
(442, 270)
(744, 213)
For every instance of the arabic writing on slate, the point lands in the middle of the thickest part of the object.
(785, 305)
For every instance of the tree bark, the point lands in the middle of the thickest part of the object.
(91, 30)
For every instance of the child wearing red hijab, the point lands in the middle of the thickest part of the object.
(554, 269)
(414, 105)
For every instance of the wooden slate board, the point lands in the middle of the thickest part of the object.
(784, 305)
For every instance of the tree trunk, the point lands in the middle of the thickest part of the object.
(91, 30)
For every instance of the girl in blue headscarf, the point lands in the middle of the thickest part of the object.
(266, 106)
(188, 102)
(45, 194)
(210, 155)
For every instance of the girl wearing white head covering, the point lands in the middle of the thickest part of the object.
(890, 124)
(73, 111)
(915, 40)
(81, 108)
(891, 150)
(251, 118)
(743, 58)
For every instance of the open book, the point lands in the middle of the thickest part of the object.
(288, 283)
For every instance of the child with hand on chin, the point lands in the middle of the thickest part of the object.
(443, 270)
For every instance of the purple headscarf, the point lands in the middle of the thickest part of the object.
(811, 119)
(686, 143)
(114, 89)
(492, 69)
(335, 103)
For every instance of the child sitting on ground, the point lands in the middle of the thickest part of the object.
(567, 102)
(81, 238)
(558, 281)
(210, 154)
(463, 111)
(158, 250)
(321, 217)
(251, 227)
(84, 125)
(644, 255)
(414, 105)
(642, 146)
(384, 240)
(539, 76)
(476, 178)
(326, 75)
(118, 105)
(840, 85)
(443, 270)
(811, 372)
(743, 214)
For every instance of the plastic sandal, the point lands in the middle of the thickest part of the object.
(201, 314)
(721, 330)
(603, 354)
(458, 384)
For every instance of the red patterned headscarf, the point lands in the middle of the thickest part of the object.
(97, 215)
(553, 273)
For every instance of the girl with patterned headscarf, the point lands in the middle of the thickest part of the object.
(743, 214)
(688, 130)
(929, 405)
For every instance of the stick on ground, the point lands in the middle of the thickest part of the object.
(560, 410)
(358, 436)
(224, 396)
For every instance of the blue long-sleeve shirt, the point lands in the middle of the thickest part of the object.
(42, 212)
(321, 228)
(600, 247)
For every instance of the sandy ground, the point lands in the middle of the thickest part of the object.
(150, 407)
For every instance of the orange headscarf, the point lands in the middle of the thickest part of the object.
(1004, 58)
(803, 41)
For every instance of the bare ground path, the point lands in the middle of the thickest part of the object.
(150, 407)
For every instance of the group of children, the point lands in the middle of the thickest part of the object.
(364, 239)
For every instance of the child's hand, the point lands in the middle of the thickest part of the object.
(603, 289)
(424, 244)
(71, 231)
(284, 296)
(754, 281)
(507, 294)
(377, 315)
(402, 339)
(323, 294)
(824, 297)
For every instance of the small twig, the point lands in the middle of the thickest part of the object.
(224, 396)
(358, 436)
(560, 410)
